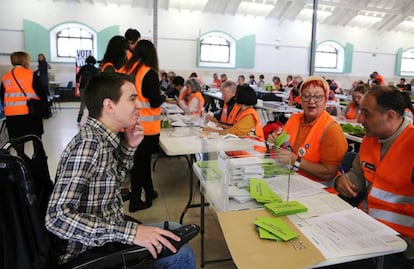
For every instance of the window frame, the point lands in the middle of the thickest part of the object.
(232, 50)
(340, 57)
(403, 59)
(53, 41)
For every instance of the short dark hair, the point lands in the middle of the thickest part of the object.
(90, 60)
(178, 80)
(105, 85)
(132, 35)
(388, 98)
(246, 95)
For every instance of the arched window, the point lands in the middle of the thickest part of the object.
(407, 63)
(329, 57)
(217, 50)
(67, 38)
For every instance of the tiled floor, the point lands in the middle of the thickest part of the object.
(171, 180)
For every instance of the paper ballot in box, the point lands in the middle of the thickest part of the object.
(236, 172)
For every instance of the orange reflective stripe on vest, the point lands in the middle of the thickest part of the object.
(391, 193)
(149, 117)
(15, 102)
(309, 150)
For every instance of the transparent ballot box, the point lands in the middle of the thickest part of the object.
(225, 177)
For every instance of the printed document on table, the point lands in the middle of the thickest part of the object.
(348, 232)
(297, 186)
(321, 204)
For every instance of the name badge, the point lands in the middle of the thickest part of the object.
(369, 166)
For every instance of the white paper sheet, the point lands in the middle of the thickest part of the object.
(348, 232)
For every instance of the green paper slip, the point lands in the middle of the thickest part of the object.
(277, 227)
(286, 208)
(265, 234)
(282, 138)
(205, 164)
(261, 192)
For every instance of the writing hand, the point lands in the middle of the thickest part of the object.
(345, 187)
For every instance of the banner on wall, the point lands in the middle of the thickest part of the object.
(81, 56)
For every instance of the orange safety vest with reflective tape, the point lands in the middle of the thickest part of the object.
(15, 102)
(150, 117)
(309, 150)
(200, 98)
(390, 189)
(229, 118)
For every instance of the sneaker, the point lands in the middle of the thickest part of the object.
(135, 203)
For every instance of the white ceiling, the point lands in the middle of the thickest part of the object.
(389, 15)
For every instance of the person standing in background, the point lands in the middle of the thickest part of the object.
(18, 120)
(143, 67)
(42, 72)
(85, 74)
(133, 36)
(115, 55)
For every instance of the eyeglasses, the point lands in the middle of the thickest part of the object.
(307, 98)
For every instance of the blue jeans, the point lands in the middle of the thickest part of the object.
(183, 259)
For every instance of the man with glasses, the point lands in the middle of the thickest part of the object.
(317, 142)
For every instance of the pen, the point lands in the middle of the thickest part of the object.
(341, 169)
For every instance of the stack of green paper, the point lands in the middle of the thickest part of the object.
(271, 168)
(261, 192)
(274, 229)
(281, 139)
(286, 208)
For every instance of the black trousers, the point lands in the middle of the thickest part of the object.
(141, 173)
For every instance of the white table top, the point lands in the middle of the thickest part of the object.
(187, 140)
(214, 93)
(318, 204)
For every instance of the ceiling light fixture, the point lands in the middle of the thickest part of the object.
(254, 9)
(188, 4)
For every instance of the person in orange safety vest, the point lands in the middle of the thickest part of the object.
(317, 142)
(384, 167)
(143, 66)
(18, 120)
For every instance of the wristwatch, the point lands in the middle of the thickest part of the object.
(297, 163)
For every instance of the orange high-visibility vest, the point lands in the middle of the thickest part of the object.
(390, 190)
(309, 150)
(200, 98)
(229, 118)
(352, 111)
(108, 64)
(150, 117)
(14, 99)
(258, 130)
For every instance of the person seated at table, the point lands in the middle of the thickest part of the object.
(294, 94)
(226, 116)
(332, 109)
(277, 84)
(252, 80)
(317, 142)
(378, 168)
(408, 107)
(223, 77)
(216, 81)
(192, 101)
(247, 121)
(85, 208)
(352, 110)
(176, 85)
